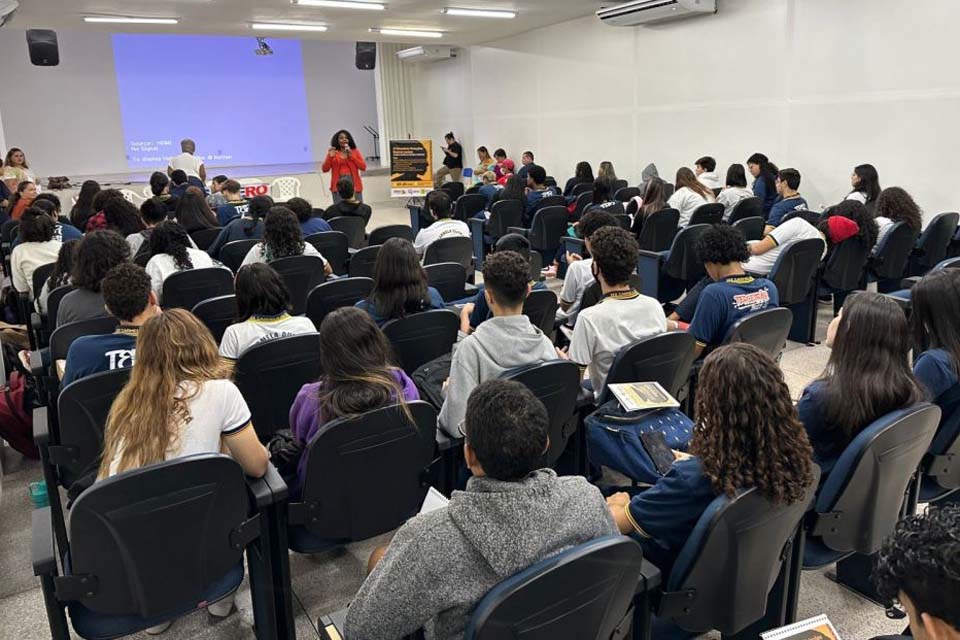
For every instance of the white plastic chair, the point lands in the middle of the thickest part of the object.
(282, 189)
(131, 196)
(147, 192)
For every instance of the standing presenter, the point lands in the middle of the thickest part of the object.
(344, 160)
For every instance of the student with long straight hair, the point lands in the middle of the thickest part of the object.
(936, 316)
(866, 185)
(282, 238)
(765, 180)
(689, 193)
(171, 252)
(399, 284)
(735, 190)
(896, 205)
(868, 375)
(358, 376)
(263, 311)
(513, 189)
(607, 171)
(651, 201)
(582, 175)
(83, 209)
(192, 212)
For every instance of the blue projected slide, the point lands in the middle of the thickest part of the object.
(242, 109)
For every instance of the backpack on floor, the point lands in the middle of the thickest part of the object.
(429, 378)
(16, 414)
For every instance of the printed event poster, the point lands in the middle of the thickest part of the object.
(411, 168)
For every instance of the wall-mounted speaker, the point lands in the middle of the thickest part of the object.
(44, 51)
(366, 55)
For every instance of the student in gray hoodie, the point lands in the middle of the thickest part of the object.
(506, 341)
(512, 515)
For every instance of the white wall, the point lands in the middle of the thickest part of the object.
(820, 85)
(67, 118)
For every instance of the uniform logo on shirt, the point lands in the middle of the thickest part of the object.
(121, 358)
(754, 301)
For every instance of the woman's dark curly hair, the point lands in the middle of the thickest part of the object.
(122, 216)
(747, 431)
(100, 200)
(171, 238)
(36, 225)
(335, 144)
(282, 236)
(858, 212)
(99, 251)
(722, 244)
(897, 205)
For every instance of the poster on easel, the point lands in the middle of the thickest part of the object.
(411, 168)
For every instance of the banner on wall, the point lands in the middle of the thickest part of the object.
(411, 168)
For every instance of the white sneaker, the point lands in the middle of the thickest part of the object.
(221, 608)
(160, 628)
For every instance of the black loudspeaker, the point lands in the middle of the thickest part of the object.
(366, 55)
(44, 51)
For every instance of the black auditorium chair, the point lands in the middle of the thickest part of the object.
(751, 228)
(468, 206)
(581, 188)
(665, 358)
(453, 189)
(541, 308)
(709, 213)
(459, 250)
(626, 194)
(382, 234)
(795, 275)
(888, 263)
(203, 238)
(334, 506)
(185, 289)
(351, 226)
(187, 523)
(334, 248)
(450, 281)
(581, 204)
(939, 477)
(557, 385)
(746, 208)
(844, 271)
(547, 228)
(767, 330)
(812, 217)
(617, 185)
(422, 337)
(931, 247)
(270, 375)
(550, 201)
(332, 295)
(301, 274)
(550, 181)
(233, 253)
(44, 325)
(668, 189)
(503, 215)
(667, 274)
(659, 230)
(217, 314)
(363, 263)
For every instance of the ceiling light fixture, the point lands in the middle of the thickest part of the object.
(342, 4)
(124, 20)
(270, 26)
(408, 33)
(478, 13)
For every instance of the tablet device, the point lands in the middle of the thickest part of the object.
(659, 451)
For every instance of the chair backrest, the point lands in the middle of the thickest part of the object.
(766, 330)
(351, 226)
(203, 238)
(710, 213)
(195, 505)
(448, 278)
(382, 234)
(301, 275)
(557, 385)
(541, 308)
(550, 181)
(583, 593)
(795, 270)
(548, 226)
(617, 185)
(933, 242)
(503, 215)
(747, 208)
(668, 189)
(363, 263)
(270, 375)
(53, 302)
(82, 408)
(731, 561)
(594, 294)
(450, 249)
(581, 188)
(65, 334)
(665, 358)
(185, 289)
(846, 264)
(752, 228)
(333, 246)
(860, 502)
(421, 337)
(625, 194)
(233, 253)
(40, 275)
(550, 201)
(469, 205)
(684, 263)
(282, 189)
(332, 295)
(659, 230)
(812, 217)
(941, 466)
(6, 231)
(893, 252)
(338, 479)
(583, 202)
(453, 189)
(217, 314)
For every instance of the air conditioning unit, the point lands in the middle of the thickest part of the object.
(426, 54)
(630, 14)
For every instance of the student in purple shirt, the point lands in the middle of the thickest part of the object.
(358, 377)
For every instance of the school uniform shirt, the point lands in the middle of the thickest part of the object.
(217, 410)
(258, 254)
(935, 371)
(608, 326)
(579, 277)
(730, 197)
(726, 301)
(789, 231)
(259, 329)
(884, 224)
(444, 228)
(828, 441)
(230, 210)
(710, 179)
(686, 201)
(62, 232)
(81, 304)
(189, 163)
(162, 266)
(345, 208)
(665, 515)
(26, 258)
(433, 301)
(859, 196)
(93, 354)
(489, 191)
(314, 225)
(613, 207)
(784, 206)
(533, 199)
(481, 310)
(236, 229)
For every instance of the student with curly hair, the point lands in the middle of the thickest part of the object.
(896, 205)
(37, 247)
(99, 251)
(172, 252)
(122, 216)
(580, 270)
(282, 238)
(399, 284)
(248, 226)
(836, 225)
(747, 435)
(309, 224)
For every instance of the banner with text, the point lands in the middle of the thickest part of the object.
(411, 168)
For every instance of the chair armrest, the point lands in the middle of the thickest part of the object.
(331, 626)
(650, 577)
(350, 252)
(36, 321)
(476, 225)
(655, 255)
(36, 364)
(908, 283)
(270, 489)
(41, 427)
(574, 245)
(648, 267)
(445, 441)
(469, 290)
(42, 552)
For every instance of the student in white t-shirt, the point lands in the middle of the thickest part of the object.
(895, 205)
(764, 253)
(179, 402)
(690, 193)
(580, 270)
(282, 238)
(866, 185)
(622, 317)
(187, 162)
(735, 191)
(263, 306)
(440, 210)
(705, 169)
(37, 247)
(172, 252)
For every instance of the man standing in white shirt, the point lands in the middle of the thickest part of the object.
(189, 163)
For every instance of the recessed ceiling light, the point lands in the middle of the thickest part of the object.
(408, 33)
(270, 26)
(342, 4)
(124, 20)
(478, 13)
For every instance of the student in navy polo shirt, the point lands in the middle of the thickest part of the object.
(234, 206)
(309, 224)
(765, 180)
(537, 191)
(128, 296)
(788, 181)
(727, 294)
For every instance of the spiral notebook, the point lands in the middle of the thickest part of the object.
(818, 628)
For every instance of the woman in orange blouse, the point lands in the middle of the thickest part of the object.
(344, 159)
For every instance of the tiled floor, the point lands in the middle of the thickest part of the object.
(326, 582)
